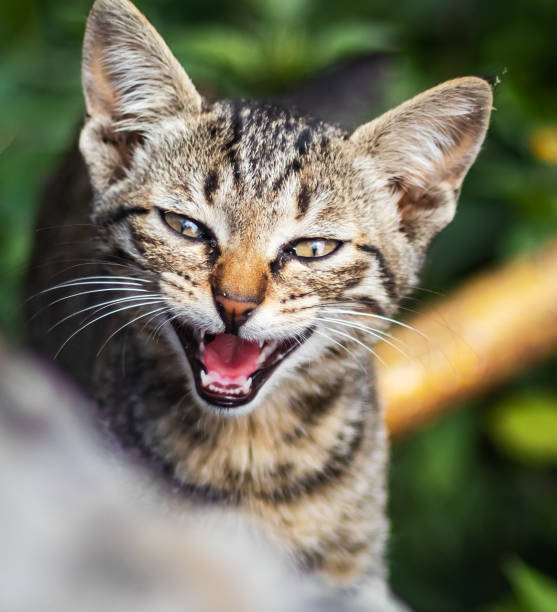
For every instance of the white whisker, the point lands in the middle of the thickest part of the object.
(102, 306)
(321, 333)
(102, 317)
(158, 314)
(93, 280)
(375, 316)
(379, 335)
(74, 295)
(367, 348)
(134, 279)
(127, 324)
(166, 321)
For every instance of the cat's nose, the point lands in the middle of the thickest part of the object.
(234, 311)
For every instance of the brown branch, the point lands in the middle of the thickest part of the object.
(495, 326)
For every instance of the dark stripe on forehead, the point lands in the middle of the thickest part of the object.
(210, 186)
(119, 214)
(387, 276)
(293, 168)
(304, 197)
(303, 143)
(231, 146)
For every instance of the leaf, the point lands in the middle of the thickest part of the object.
(225, 47)
(535, 591)
(281, 11)
(345, 39)
(525, 427)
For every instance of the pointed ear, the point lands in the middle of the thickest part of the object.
(131, 82)
(424, 149)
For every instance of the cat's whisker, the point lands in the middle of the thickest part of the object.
(106, 277)
(375, 316)
(365, 346)
(102, 306)
(376, 333)
(102, 317)
(106, 281)
(74, 295)
(354, 356)
(102, 280)
(153, 318)
(379, 333)
(425, 290)
(166, 321)
(98, 277)
(127, 324)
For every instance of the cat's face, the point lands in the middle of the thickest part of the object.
(260, 229)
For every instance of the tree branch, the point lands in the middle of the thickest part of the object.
(495, 326)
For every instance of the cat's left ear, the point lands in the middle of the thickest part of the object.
(425, 147)
(132, 83)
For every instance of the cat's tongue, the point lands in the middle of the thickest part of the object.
(231, 356)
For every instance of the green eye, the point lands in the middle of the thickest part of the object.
(183, 225)
(313, 248)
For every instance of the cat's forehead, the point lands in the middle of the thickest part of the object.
(256, 162)
(265, 146)
(261, 131)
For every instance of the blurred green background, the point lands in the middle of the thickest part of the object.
(473, 496)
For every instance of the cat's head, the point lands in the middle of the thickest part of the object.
(262, 231)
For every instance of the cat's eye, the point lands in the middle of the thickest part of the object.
(313, 248)
(184, 225)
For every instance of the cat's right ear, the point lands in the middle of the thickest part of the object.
(131, 83)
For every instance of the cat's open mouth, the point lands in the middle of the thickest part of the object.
(229, 370)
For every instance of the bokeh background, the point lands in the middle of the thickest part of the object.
(473, 495)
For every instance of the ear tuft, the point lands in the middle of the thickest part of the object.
(425, 147)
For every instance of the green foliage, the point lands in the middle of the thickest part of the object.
(274, 55)
(525, 427)
(459, 510)
(459, 506)
(533, 591)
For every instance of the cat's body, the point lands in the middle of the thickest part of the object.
(257, 254)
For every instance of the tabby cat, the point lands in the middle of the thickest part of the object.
(245, 259)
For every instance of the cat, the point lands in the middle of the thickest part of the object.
(245, 259)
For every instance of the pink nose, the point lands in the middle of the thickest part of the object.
(234, 312)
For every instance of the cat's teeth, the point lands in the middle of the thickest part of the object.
(208, 383)
(267, 350)
(243, 390)
(202, 347)
(246, 386)
(261, 343)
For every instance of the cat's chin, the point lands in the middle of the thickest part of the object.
(228, 371)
